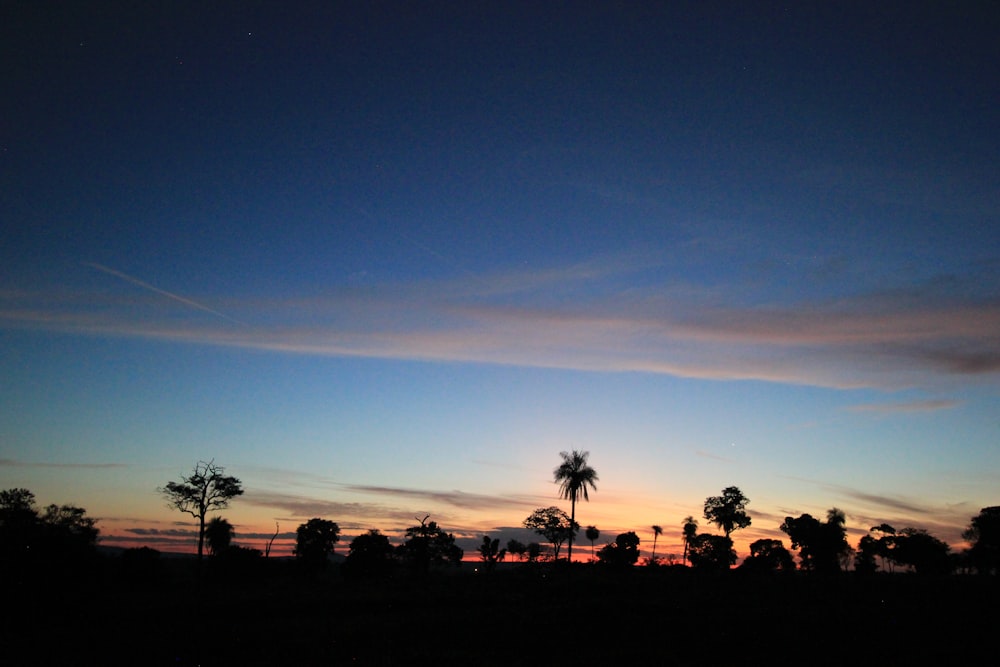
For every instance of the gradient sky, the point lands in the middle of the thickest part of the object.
(388, 260)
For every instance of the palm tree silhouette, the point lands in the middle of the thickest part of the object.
(657, 531)
(690, 532)
(592, 534)
(219, 535)
(574, 476)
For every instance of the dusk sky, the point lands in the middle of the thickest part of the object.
(387, 260)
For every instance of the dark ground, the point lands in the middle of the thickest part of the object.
(522, 616)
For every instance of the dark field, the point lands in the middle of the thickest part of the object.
(522, 616)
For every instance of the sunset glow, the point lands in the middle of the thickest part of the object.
(384, 262)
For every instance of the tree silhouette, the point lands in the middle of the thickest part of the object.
(728, 511)
(516, 548)
(870, 547)
(821, 545)
(553, 524)
(926, 554)
(574, 477)
(490, 552)
(690, 528)
(621, 553)
(592, 534)
(983, 534)
(219, 535)
(768, 556)
(315, 540)
(369, 554)
(61, 533)
(428, 545)
(206, 490)
(711, 552)
(657, 531)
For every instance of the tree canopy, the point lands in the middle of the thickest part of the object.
(711, 552)
(206, 489)
(983, 534)
(219, 535)
(768, 556)
(553, 524)
(574, 476)
(821, 545)
(728, 511)
(427, 545)
(28, 537)
(315, 540)
(621, 553)
(369, 554)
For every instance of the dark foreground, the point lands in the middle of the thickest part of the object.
(521, 616)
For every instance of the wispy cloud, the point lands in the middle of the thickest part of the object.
(930, 405)
(12, 463)
(714, 457)
(592, 316)
(470, 501)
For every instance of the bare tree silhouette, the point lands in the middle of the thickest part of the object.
(206, 490)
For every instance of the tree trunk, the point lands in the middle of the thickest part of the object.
(572, 522)
(201, 535)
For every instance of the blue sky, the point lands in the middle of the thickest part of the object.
(383, 262)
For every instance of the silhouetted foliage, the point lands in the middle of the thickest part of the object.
(315, 540)
(728, 511)
(768, 556)
(709, 552)
(622, 553)
(369, 554)
(62, 533)
(657, 531)
(517, 548)
(553, 524)
(206, 489)
(689, 532)
(864, 557)
(877, 543)
(574, 476)
(592, 534)
(491, 553)
(534, 552)
(821, 545)
(428, 546)
(983, 534)
(923, 552)
(219, 535)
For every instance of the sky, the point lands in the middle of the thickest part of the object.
(386, 260)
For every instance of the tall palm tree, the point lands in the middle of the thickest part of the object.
(574, 476)
(592, 535)
(690, 532)
(657, 531)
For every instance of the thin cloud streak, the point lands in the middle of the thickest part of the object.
(11, 463)
(883, 340)
(153, 288)
(932, 405)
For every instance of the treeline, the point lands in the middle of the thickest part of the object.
(60, 538)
